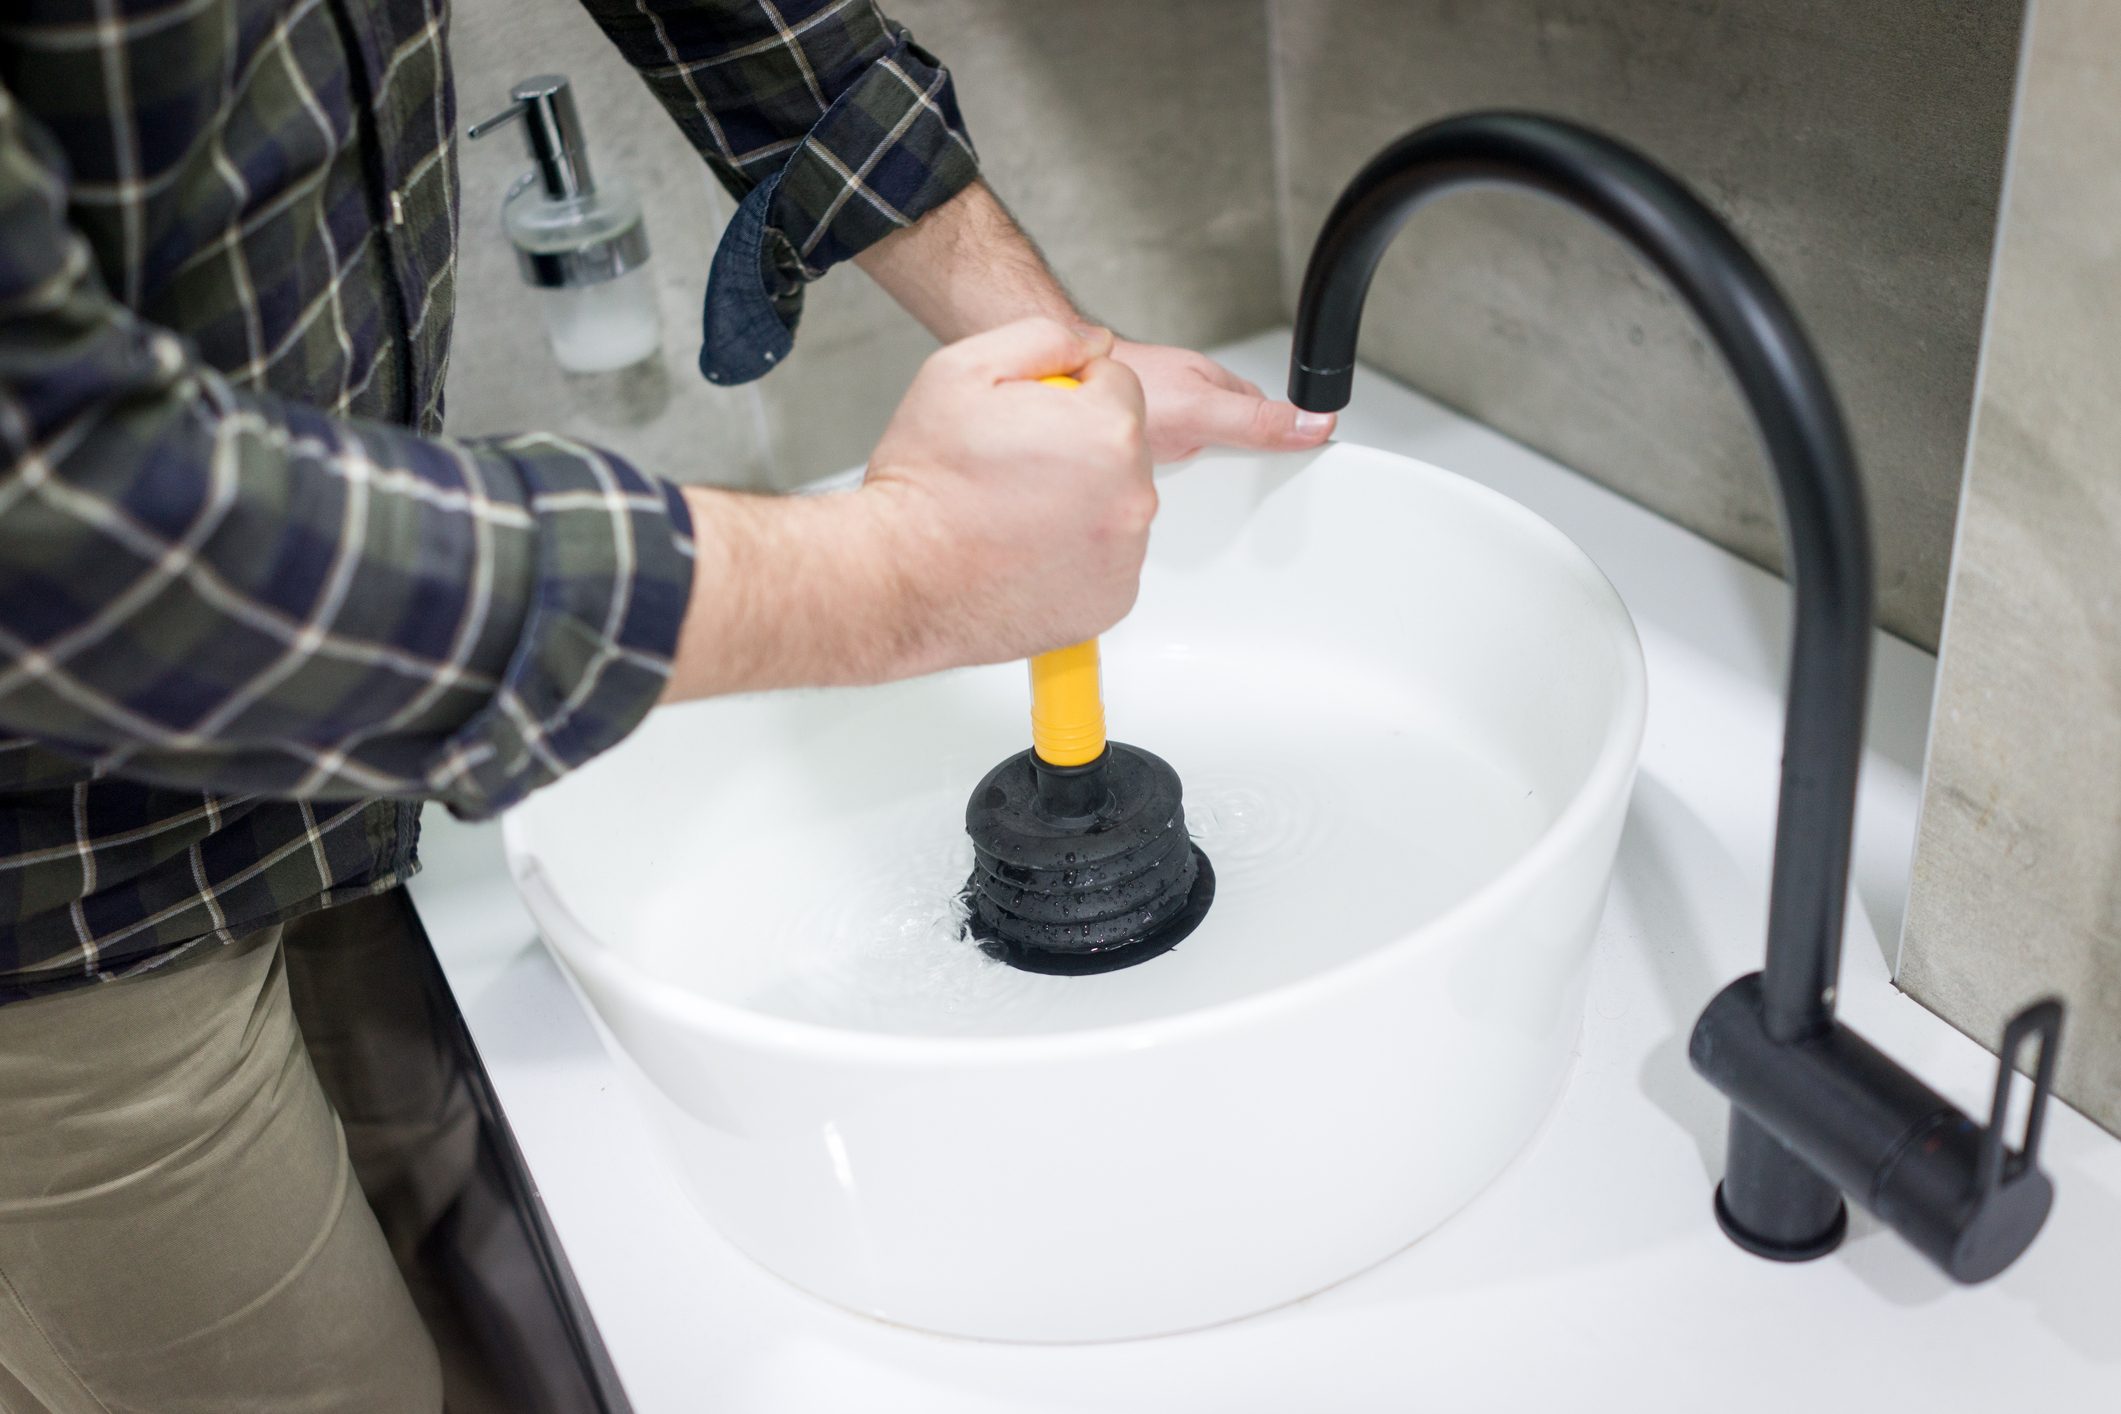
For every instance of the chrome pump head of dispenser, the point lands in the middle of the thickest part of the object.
(552, 130)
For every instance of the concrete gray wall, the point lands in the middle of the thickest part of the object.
(1857, 148)
(2017, 886)
(1134, 142)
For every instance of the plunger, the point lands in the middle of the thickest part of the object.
(1081, 860)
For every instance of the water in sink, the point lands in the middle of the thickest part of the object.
(842, 909)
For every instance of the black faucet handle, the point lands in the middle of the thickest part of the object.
(1999, 1164)
(1966, 1197)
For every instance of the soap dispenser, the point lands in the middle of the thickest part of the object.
(581, 245)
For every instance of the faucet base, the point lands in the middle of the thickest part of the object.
(1828, 1114)
(1783, 1252)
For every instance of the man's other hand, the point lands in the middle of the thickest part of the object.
(1195, 402)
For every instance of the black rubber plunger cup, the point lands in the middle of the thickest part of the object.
(1082, 869)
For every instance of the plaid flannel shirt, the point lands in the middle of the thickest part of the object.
(252, 607)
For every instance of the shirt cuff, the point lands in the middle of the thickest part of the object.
(890, 148)
(608, 592)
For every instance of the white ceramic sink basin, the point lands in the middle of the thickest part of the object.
(1406, 712)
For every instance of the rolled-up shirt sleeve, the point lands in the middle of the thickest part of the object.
(827, 121)
(206, 587)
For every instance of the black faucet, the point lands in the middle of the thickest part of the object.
(1816, 1111)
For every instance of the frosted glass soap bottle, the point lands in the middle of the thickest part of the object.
(582, 245)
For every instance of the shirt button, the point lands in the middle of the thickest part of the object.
(397, 209)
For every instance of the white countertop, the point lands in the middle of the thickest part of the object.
(1590, 1276)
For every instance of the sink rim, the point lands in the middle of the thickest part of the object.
(1611, 773)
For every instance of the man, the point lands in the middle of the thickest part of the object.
(253, 608)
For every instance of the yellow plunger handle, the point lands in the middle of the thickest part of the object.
(1067, 706)
(1067, 696)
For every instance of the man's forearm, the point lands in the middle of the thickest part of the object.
(967, 267)
(793, 591)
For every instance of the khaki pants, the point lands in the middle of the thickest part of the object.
(182, 1227)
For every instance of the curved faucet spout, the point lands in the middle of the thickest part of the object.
(1792, 1147)
(1823, 520)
